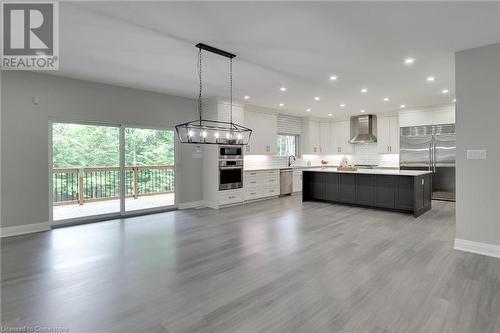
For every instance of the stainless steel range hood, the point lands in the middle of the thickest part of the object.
(362, 128)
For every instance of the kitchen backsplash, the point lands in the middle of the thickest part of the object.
(363, 154)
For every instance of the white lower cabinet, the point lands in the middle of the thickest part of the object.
(261, 184)
(297, 180)
(252, 193)
(230, 197)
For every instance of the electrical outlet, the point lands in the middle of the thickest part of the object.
(476, 154)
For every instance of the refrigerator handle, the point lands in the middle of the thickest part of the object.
(430, 156)
(434, 156)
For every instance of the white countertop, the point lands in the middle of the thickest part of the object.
(375, 171)
(256, 168)
(263, 168)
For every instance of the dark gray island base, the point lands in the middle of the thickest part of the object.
(406, 191)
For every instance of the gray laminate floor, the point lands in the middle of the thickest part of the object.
(273, 266)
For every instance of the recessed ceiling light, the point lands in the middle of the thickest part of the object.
(281, 104)
(409, 61)
(431, 79)
(386, 99)
(246, 97)
(402, 106)
(333, 78)
(362, 111)
(316, 98)
(283, 89)
(308, 110)
(445, 91)
(342, 105)
(329, 115)
(454, 100)
(364, 90)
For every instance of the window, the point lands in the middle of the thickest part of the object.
(288, 145)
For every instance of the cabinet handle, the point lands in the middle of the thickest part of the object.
(253, 193)
(232, 197)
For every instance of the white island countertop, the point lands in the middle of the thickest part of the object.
(374, 171)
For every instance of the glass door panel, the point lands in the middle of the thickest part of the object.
(149, 168)
(86, 170)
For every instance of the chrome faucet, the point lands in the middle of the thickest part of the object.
(289, 160)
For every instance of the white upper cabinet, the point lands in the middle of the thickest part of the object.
(264, 128)
(325, 138)
(435, 116)
(444, 116)
(311, 139)
(388, 135)
(224, 113)
(340, 134)
(214, 109)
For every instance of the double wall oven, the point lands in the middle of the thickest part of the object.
(230, 167)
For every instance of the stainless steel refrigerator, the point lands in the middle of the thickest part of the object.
(431, 148)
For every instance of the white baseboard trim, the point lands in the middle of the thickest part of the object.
(192, 204)
(477, 247)
(24, 229)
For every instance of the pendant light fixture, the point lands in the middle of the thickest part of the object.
(205, 131)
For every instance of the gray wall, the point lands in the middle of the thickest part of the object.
(478, 127)
(24, 134)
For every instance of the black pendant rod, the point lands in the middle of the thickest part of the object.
(215, 50)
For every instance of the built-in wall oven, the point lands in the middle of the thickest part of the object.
(230, 174)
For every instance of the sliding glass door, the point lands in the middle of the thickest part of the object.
(149, 168)
(87, 165)
(85, 170)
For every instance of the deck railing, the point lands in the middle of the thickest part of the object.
(80, 185)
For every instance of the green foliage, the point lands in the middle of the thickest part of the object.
(85, 145)
(287, 145)
(149, 147)
(76, 146)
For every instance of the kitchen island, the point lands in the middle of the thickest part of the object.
(400, 190)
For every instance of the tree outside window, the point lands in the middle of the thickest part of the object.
(288, 144)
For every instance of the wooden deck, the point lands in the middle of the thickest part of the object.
(112, 206)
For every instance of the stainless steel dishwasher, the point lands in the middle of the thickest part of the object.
(286, 181)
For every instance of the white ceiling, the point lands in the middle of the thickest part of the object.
(150, 45)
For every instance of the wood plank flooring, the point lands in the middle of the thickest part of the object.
(272, 266)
